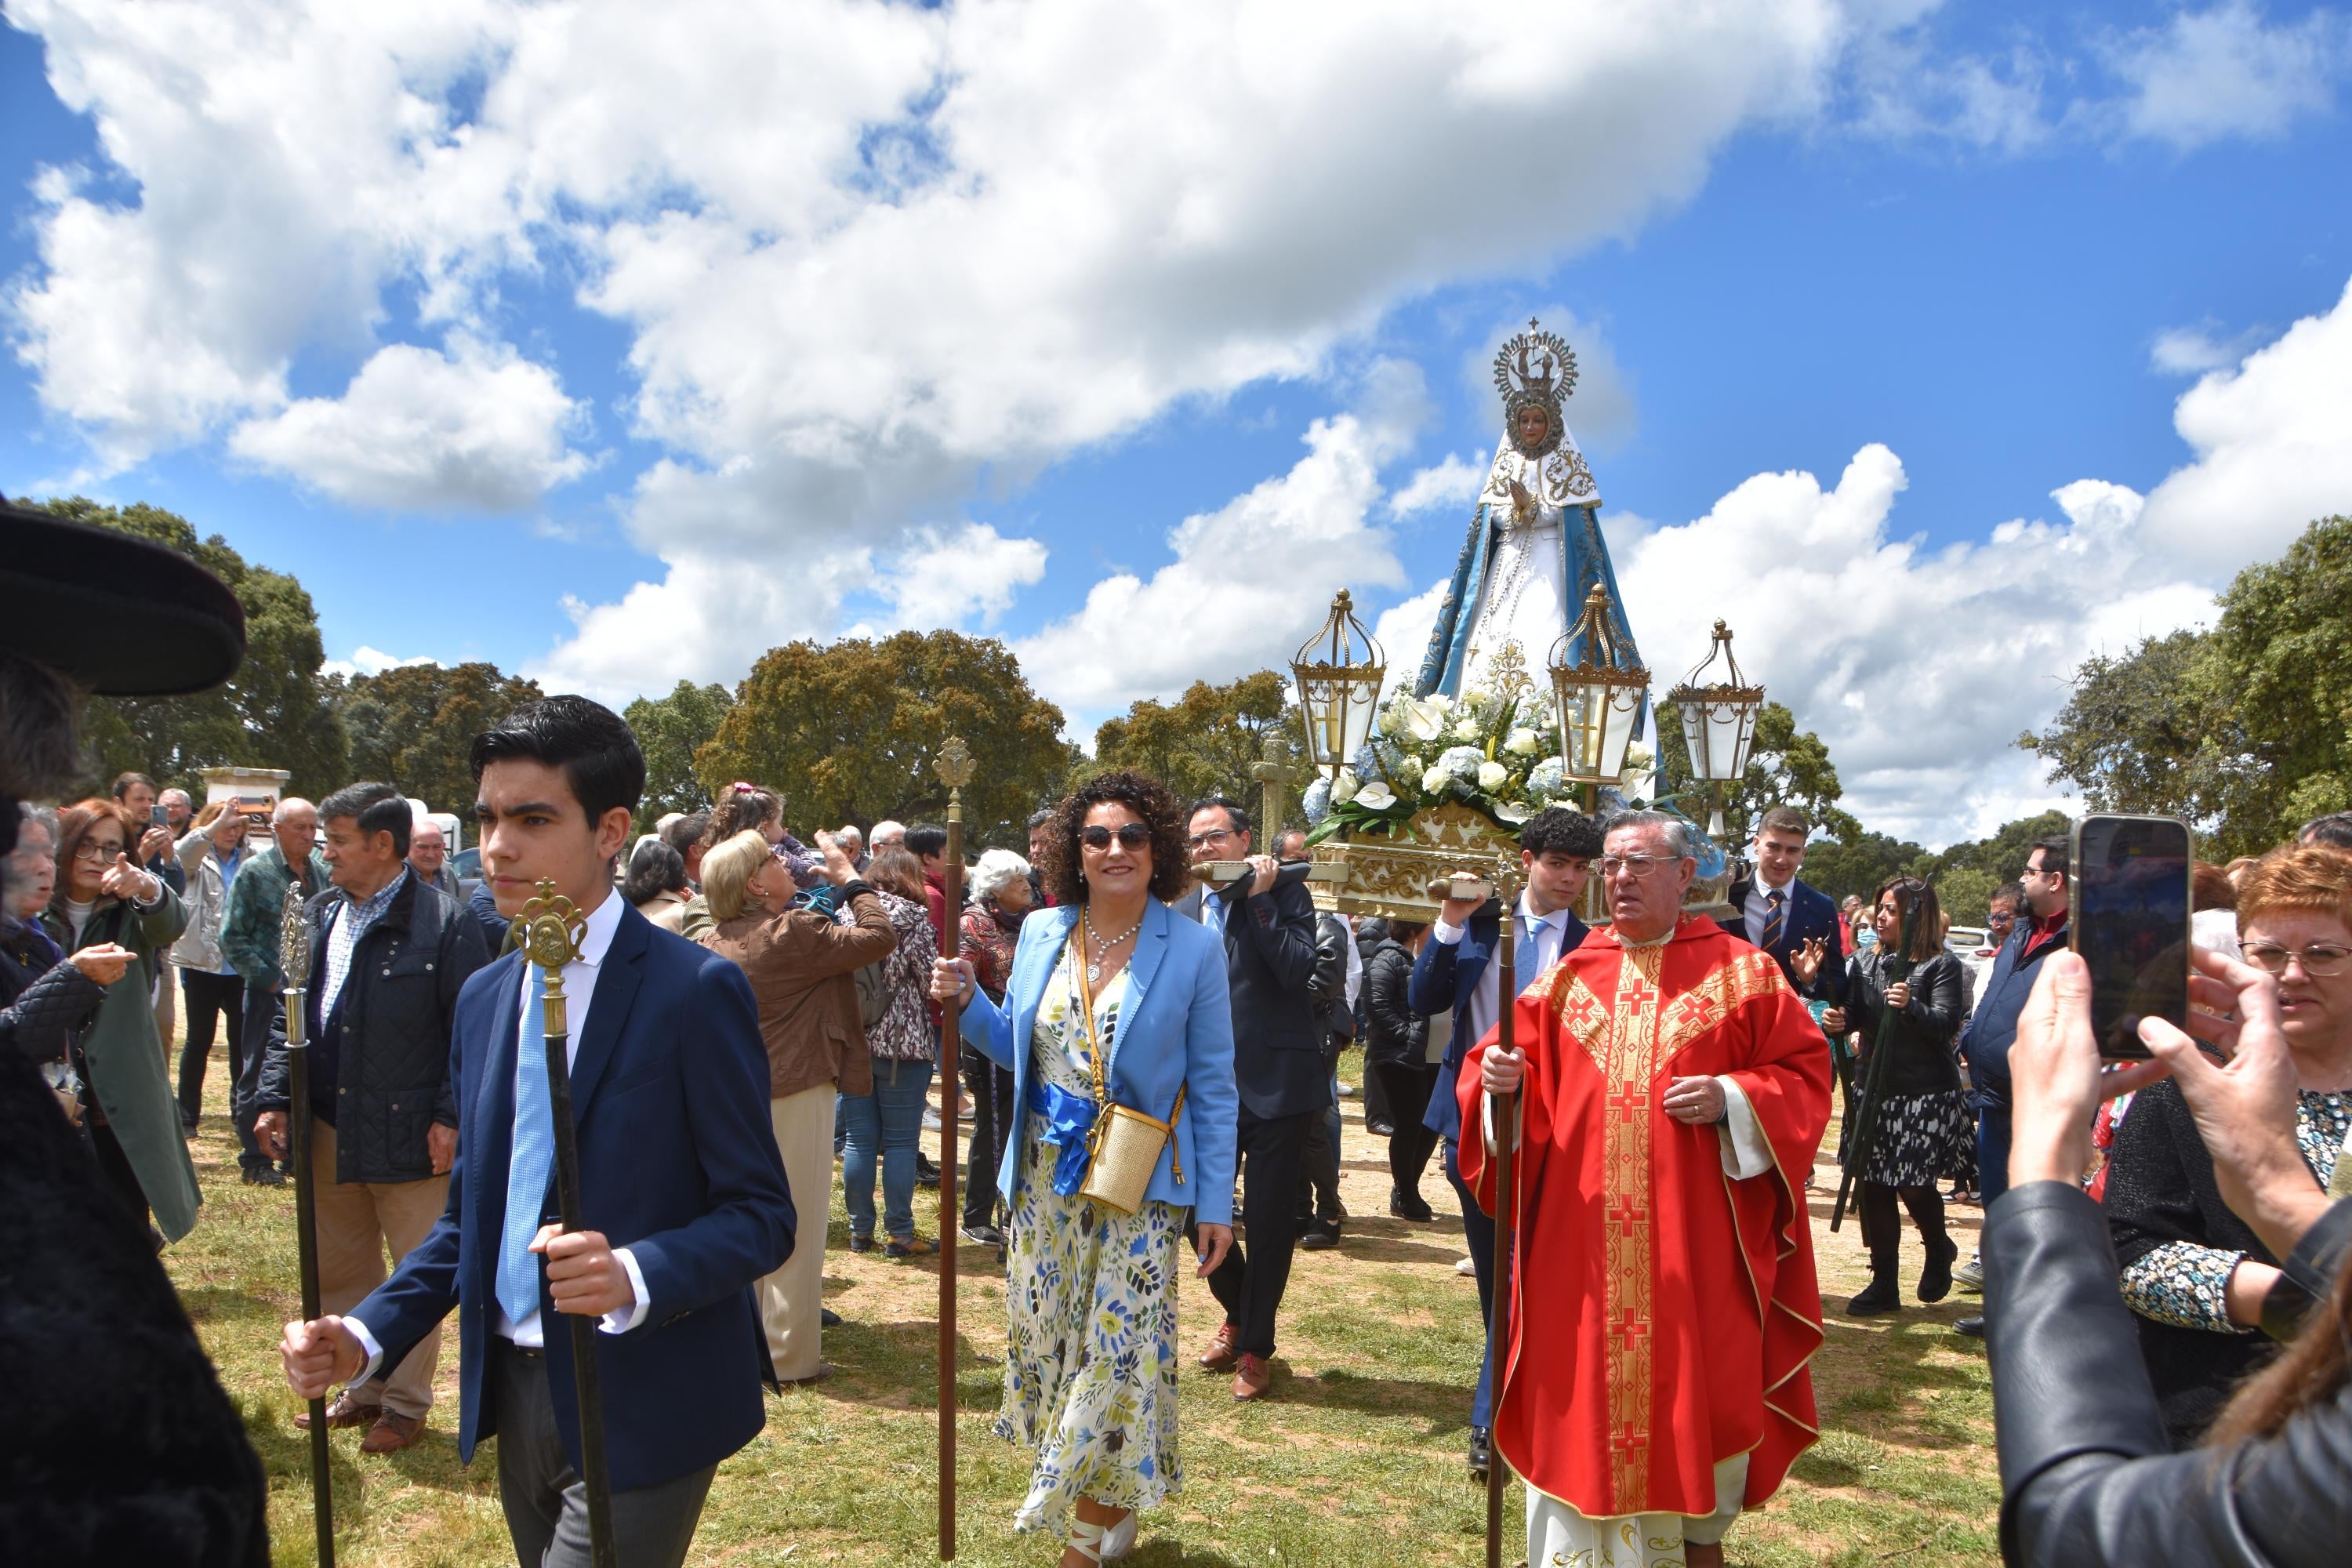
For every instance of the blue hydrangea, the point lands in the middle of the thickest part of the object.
(1318, 801)
(1545, 781)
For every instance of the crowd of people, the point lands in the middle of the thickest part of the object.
(1149, 1064)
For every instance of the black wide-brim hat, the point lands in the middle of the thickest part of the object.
(113, 613)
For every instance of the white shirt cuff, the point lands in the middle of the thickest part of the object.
(367, 1343)
(1487, 1123)
(1447, 935)
(1746, 1151)
(627, 1317)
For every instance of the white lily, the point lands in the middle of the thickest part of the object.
(1425, 717)
(1343, 789)
(1376, 796)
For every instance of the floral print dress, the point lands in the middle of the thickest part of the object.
(1090, 1309)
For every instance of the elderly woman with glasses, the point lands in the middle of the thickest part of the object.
(1111, 1001)
(2193, 1273)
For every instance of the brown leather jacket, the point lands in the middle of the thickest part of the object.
(800, 965)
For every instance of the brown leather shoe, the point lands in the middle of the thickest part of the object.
(392, 1433)
(345, 1411)
(1251, 1377)
(1220, 1355)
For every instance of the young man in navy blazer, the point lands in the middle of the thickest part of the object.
(678, 1171)
(1783, 916)
(1451, 975)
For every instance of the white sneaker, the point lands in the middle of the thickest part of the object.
(1969, 1275)
(932, 1117)
(1468, 1265)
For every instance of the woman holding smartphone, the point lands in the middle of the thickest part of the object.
(1107, 987)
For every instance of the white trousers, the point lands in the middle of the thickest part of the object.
(1560, 1537)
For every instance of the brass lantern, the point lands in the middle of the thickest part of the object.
(1600, 696)
(1339, 672)
(1718, 722)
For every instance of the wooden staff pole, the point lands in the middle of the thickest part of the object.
(294, 963)
(1507, 1135)
(549, 931)
(954, 767)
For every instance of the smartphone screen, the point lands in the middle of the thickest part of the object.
(2130, 922)
(159, 817)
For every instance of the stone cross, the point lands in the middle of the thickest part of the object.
(1275, 777)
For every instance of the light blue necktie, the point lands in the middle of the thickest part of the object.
(534, 1156)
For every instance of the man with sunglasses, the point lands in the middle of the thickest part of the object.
(2039, 932)
(1278, 1066)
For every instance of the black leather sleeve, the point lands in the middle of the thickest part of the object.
(2309, 1272)
(2085, 1476)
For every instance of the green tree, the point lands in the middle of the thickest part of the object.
(1786, 766)
(411, 726)
(849, 731)
(2245, 729)
(276, 711)
(1207, 741)
(1965, 874)
(1859, 864)
(670, 729)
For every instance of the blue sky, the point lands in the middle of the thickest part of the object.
(669, 404)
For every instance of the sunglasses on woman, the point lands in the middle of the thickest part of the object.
(1130, 836)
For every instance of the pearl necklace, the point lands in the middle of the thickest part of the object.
(1102, 949)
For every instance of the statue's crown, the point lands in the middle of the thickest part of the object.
(1536, 363)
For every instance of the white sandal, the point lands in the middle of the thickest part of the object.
(1086, 1540)
(1120, 1538)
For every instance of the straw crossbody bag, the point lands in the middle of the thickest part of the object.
(1124, 1148)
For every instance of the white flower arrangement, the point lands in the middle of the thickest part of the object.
(1498, 754)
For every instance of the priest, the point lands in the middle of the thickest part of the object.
(1664, 1310)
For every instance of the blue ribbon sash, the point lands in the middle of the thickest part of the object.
(1069, 1124)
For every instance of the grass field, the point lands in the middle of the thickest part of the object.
(1357, 1461)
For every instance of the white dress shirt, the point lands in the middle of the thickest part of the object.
(1538, 950)
(530, 1056)
(1758, 907)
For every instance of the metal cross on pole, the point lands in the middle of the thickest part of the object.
(954, 767)
(294, 964)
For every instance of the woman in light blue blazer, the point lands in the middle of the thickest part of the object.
(1090, 1293)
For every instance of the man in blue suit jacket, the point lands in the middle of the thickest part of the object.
(1783, 916)
(678, 1169)
(1452, 975)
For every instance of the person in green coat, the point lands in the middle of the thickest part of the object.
(127, 1101)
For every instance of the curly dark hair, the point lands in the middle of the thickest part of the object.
(1558, 828)
(1151, 800)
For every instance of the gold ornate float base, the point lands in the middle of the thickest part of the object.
(1391, 876)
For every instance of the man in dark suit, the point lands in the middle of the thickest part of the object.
(1796, 924)
(1455, 974)
(1280, 1069)
(679, 1177)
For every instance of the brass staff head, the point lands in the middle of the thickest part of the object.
(953, 766)
(294, 938)
(549, 929)
(1508, 875)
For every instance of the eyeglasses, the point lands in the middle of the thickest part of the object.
(1202, 840)
(2318, 962)
(92, 850)
(1130, 836)
(1995, 918)
(1633, 865)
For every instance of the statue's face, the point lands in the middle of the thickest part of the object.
(1534, 425)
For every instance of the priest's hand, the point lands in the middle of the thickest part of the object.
(1697, 1101)
(1501, 1071)
(1215, 1241)
(582, 1275)
(319, 1354)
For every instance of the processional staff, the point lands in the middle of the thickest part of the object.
(294, 963)
(1506, 1138)
(954, 767)
(548, 934)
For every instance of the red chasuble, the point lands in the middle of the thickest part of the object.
(1665, 1314)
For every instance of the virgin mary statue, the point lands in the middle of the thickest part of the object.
(1534, 551)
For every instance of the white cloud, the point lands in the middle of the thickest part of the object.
(471, 428)
(2193, 351)
(2274, 443)
(1248, 582)
(943, 577)
(1450, 485)
(1403, 631)
(2226, 73)
(1932, 662)
(366, 660)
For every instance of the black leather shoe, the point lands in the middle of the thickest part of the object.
(827, 1318)
(1414, 1208)
(1320, 1236)
(1972, 1327)
(1481, 1453)
(1935, 1279)
(927, 1175)
(264, 1176)
(1880, 1296)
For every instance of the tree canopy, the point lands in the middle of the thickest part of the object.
(411, 726)
(669, 730)
(276, 711)
(2245, 730)
(1205, 742)
(1786, 766)
(850, 732)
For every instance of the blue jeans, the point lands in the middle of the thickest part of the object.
(887, 1123)
(1992, 1152)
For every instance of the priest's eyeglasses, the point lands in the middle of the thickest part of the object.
(2321, 963)
(1633, 864)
